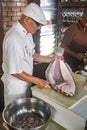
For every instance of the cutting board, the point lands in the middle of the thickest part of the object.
(63, 100)
(66, 108)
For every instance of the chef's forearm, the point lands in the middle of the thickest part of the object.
(39, 58)
(26, 77)
(35, 80)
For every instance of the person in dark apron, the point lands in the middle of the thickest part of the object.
(74, 43)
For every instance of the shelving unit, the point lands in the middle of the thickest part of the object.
(68, 13)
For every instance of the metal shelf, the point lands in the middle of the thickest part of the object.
(70, 12)
(72, 4)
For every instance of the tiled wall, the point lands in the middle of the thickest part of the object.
(11, 11)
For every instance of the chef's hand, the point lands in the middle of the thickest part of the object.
(43, 84)
(57, 57)
(80, 56)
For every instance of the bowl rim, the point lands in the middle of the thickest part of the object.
(23, 99)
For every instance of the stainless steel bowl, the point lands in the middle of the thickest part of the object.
(26, 106)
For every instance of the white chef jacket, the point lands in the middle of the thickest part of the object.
(18, 48)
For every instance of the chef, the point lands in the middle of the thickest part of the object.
(19, 54)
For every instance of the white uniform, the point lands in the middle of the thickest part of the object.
(18, 48)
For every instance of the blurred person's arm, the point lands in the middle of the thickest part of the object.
(79, 56)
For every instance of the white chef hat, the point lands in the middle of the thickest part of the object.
(35, 12)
